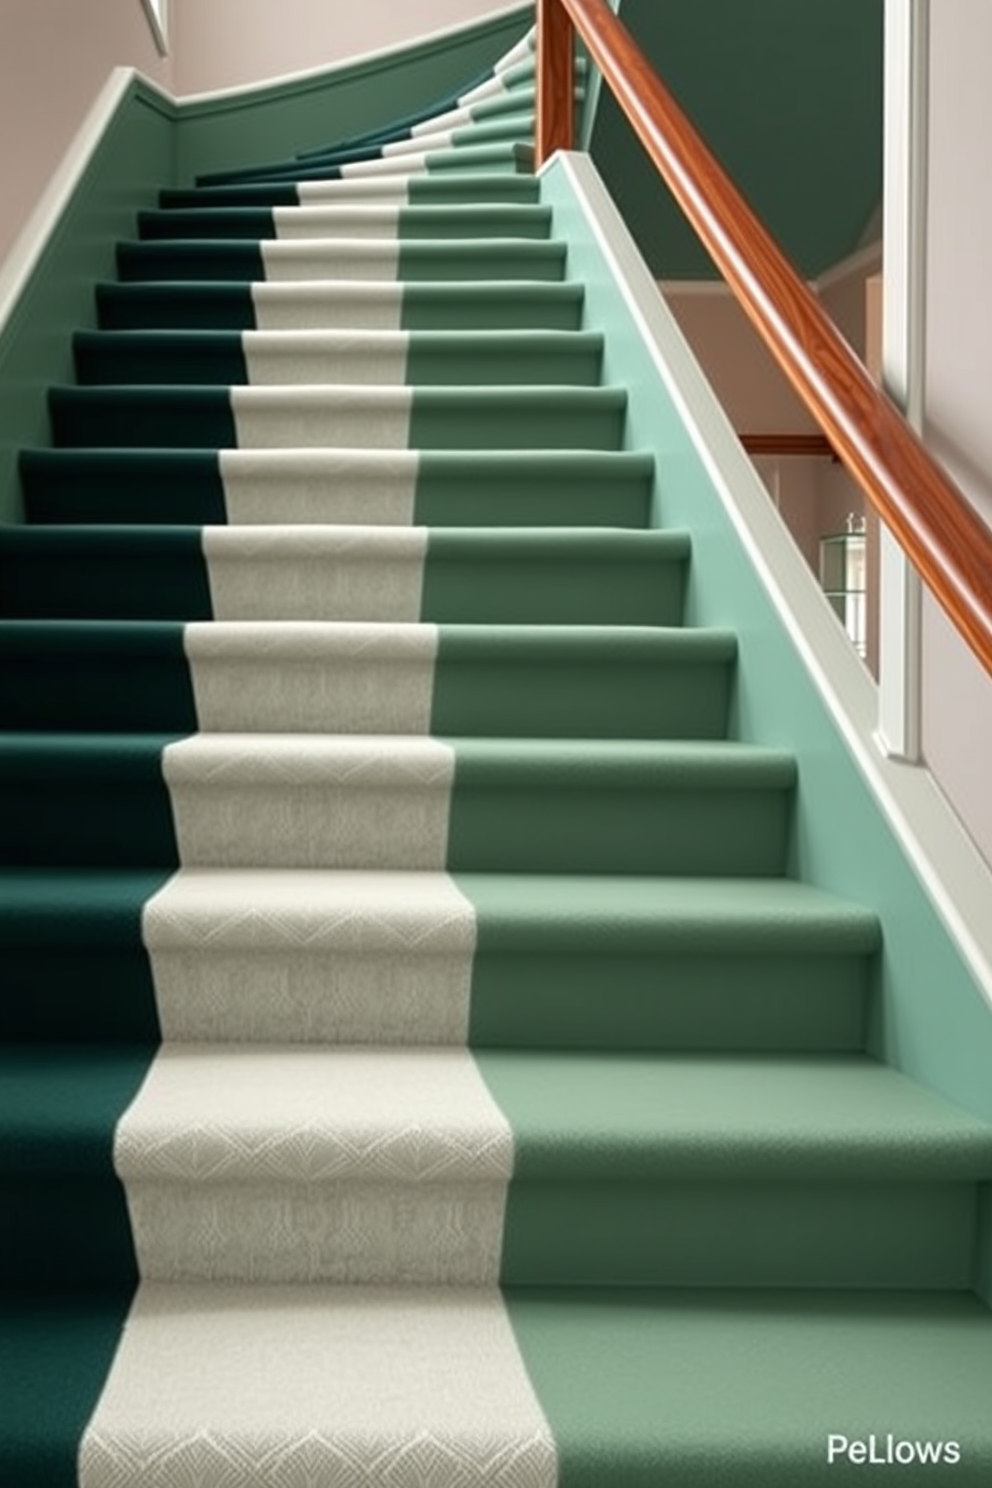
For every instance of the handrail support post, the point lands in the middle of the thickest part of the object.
(555, 80)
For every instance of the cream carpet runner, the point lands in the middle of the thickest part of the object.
(421, 1069)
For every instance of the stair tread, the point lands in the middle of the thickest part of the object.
(652, 1383)
(328, 220)
(516, 155)
(700, 1387)
(249, 638)
(589, 1116)
(453, 184)
(258, 906)
(683, 763)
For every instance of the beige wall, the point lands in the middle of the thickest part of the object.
(226, 43)
(957, 695)
(55, 56)
(814, 496)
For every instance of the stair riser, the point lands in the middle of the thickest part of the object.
(257, 418)
(613, 491)
(264, 359)
(235, 307)
(247, 263)
(404, 223)
(364, 1234)
(64, 817)
(560, 1000)
(913, 1236)
(177, 575)
(468, 692)
(751, 1234)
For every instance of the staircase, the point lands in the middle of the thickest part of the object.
(406, 990)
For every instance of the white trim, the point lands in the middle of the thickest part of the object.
(903, 300)
(157, 12)
(363, 59)
(947, 864)
(867, 260)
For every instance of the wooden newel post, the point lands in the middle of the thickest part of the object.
(555, 80)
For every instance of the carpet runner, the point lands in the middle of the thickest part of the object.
(419, 1065)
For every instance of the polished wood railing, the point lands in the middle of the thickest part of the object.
(943, 536)
(787, 444)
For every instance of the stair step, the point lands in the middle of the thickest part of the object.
(54, 922)
(456, 113)
(478, 575)
(365, 677)
(624, 1169)
(366, 801)
(612, 806)
(435, 136)
(706, 1170)
(74, 800)
(328, 358)
(507, 305)
(499, 158)
(375, 957)
(343, 259)
(427, 190)
(515, 805)
(637, 1386)
(434, 222)
(699, 1388)
(439, 488)
(321, 418)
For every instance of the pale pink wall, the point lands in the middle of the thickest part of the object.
(226, 43)
(744, 375)
(55, 56)
(957, 696)
(814, 496)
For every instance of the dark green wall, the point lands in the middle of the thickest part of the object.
(788, 95)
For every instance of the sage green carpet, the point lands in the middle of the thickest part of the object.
(420, 1067)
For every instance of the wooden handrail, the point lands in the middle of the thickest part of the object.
(942, 534)
(787, 444)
